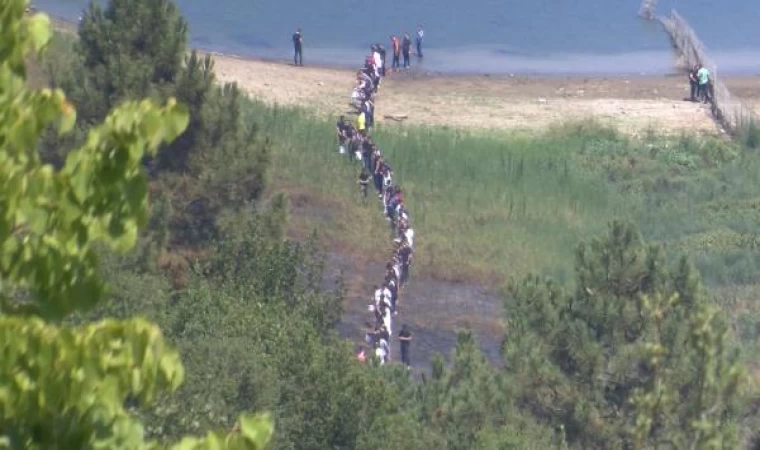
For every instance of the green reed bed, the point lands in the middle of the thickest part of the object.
(484, 205)
(487, 206)
(490, 205)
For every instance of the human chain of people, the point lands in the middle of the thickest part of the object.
(355, 141)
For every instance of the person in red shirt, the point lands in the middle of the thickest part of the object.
(396, 46)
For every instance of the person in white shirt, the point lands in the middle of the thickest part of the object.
(387, 296)
(381, 353)
(409, 235)
(378, 61)
(387, 319)
(386, 349)
(420, 37)
(378, 297)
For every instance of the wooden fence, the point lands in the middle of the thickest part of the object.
(727, 110)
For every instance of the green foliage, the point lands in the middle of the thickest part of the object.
(467, 405)
(749, 133)
(636, 357)
(250, 314)
(136, 49)
(132, 49)
(537, 196)
(65, 386)
(256, 332)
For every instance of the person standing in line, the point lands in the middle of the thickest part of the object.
(396, 46)
(406, 254)
(693, 83)
(703, 76)
(298, 48)
(378, 60)
(361, 124)
(364, 182)
(405, 336)
(381, 50)
(420, 36)
(406, 48)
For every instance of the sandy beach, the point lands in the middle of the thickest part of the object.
(529, 103)
(634, 104)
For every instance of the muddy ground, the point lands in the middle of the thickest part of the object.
(433, 311)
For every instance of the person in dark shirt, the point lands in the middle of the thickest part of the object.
(406, 49)
(340, 130)
(378, 177)
(364, 182)
(406, 254)
(405, 336)
(693, 83)
(369, 110)
(298, 48)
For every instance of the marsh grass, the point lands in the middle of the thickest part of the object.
(487, 206)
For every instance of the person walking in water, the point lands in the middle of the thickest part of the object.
(396, 46)
(406, 48)
(298, 48)
(420, 36)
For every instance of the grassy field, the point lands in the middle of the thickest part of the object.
(487, 206)
(490, 206)
(484, 206)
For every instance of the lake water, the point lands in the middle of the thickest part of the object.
(475, 36)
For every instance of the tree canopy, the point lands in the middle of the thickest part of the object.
(632, 355)
(66, 386)
(636, 357)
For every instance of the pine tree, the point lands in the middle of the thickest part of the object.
(636, 357)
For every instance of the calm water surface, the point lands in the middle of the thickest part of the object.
(478, 36)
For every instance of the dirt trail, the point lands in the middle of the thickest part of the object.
(433, 311)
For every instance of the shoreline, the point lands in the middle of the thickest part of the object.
(462, 62)
(633, 103)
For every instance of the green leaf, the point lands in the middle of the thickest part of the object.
(39, 31)
(257, 429)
